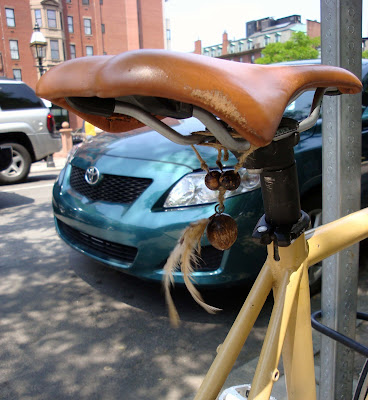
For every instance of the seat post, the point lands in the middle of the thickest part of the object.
(283, 221)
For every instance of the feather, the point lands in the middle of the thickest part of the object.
(171, 265)
(185, 254)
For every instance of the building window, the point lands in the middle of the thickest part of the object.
(252, 59)
(89, 50)
(266, 40)
(250, 44)
(10, 17)
(68, 1)
(277, 37)
(54, 45)
(70, 25)
(85, 2)
(14, 51)
(87, 26)
(17, 74)
(103, 28)
(51, 18)
(168, 34)
(73, 53)
(38, 17)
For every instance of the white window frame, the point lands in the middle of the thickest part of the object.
(14, 48)
(10, 18)
(73, 51)
(38, 18)
(51, 19)
(87, 28)
(87, 50)
(15, 74)
(53, 50)
(70, 24)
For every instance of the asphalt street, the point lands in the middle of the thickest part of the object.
(71, 328)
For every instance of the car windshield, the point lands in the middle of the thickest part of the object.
(299, 109)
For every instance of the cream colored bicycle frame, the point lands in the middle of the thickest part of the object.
(289, 331)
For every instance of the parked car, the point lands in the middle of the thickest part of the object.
(26, 125)
(148, 189)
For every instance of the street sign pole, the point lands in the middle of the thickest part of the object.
(341, 39)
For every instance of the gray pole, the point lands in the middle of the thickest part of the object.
(341, 46)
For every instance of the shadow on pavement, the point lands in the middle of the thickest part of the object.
(36, 177)
(8, 199)
(71, 328)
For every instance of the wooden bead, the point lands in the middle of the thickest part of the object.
(211, 180)
(230, 180)
(222, 231)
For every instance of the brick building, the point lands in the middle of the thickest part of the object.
(259, 33)
(75, 28)
(16, 59)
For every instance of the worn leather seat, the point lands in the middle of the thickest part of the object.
(250, 98)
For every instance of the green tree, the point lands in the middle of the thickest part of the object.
(299, 47)
(365, 54)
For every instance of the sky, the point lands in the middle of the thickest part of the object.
(207, 19)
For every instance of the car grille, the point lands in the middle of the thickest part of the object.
(112, 188)
(96, 246)
(209, 260)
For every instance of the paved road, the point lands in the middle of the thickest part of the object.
(71, 328)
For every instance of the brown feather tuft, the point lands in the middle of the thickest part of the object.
(184, 254)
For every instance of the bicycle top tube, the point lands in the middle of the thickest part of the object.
(250, 98)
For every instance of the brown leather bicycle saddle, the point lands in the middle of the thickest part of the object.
(250, 98)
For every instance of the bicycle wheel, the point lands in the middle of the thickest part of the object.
(361, 391)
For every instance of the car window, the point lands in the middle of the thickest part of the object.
(17, 97)
(299, 109)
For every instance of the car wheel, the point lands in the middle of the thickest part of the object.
(20, 166)
(312, 205)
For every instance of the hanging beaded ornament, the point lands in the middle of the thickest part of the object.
(221, 230)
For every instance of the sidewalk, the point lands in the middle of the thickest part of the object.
(41, 166)
(244, 374)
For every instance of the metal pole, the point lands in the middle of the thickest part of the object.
(341, 45)
(50, 163)
(40, 66)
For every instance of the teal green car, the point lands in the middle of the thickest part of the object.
(125, 199)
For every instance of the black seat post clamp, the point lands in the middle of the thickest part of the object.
(283, 220)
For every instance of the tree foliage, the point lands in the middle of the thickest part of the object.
(299, 47)
(365, 54)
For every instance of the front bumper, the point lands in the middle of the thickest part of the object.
(138, 238)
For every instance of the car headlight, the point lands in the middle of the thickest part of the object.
(191, 189)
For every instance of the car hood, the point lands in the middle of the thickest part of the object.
(144, 144)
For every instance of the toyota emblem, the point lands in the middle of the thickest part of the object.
(92, 175)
